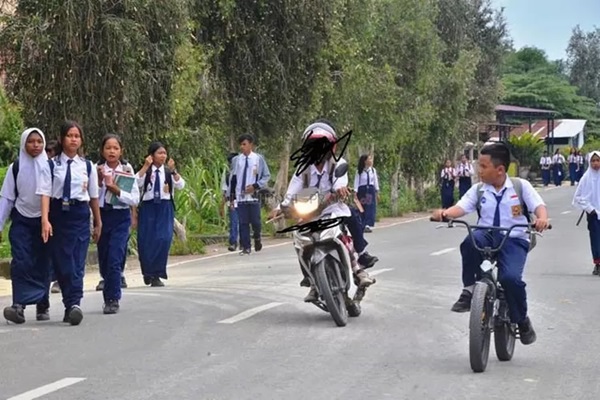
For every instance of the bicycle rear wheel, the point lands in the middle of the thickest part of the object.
(479, 326)
(504, 333)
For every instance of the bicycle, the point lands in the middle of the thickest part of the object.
(489, 308)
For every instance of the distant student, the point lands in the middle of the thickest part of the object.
(448, 176)
(156, 213)
(51, 150)
(116, 218)
(69, 188)
(464, 171)
(558, 161)
(231, 204)
(545, 165)
(572, 160)
(587, 198)
(580, 165)
(366, 185)
(30, 264)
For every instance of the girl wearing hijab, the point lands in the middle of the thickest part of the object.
(30, 265)
(156, 213)
(587, 198)
(366, 185)
(69, 188)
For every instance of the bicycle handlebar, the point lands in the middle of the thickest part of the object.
(471, 228)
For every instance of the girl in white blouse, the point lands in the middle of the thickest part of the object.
(366, 185)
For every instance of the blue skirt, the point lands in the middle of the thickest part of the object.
(155, 235)
(69, 247)
(368, 198)
(30, 264)
(112, 249)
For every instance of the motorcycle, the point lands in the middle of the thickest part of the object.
(324, 249)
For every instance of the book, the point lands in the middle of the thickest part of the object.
(125, 182)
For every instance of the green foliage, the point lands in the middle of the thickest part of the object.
(527, 148)
(11, 126)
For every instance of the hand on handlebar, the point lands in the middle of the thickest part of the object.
(438, 216)
(542, 224)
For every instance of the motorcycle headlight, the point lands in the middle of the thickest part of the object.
(308, 206)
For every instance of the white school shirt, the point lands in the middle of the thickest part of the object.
(510, 206)
(257, 172)
(448, 173)
(546, 161)
(464, 170)
(297, 184)
(572, 158)
(148, 194)
(126, 199)
(580, 160)
(558, 159)
(368, 175)
(83, 187)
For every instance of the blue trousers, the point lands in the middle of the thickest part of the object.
(234, 226)
(357, 230)
(447, 193)
(112, 249)
(249, 214)
(30, 264)
(558, 174)
(69, 247)
(573, 173)
(594, 228)
(368, 198)
(155, 234)
(511, 262)
(464, 184)
(546, 177)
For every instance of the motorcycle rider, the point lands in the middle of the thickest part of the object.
(320, 174)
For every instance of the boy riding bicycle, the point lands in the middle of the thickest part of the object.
(499, 204)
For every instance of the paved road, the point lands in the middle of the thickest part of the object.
(191, 340)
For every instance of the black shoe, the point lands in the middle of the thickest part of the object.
(15, 314)
(366, 260)
(464, 302)
(305, 282)
(42, 312)
(111, 307)
(596, 270)
(232, 247)
(147, 280)
(257, 245)
(100, 286)
(245, 252)
(73, 315)
(526, 332)
(156, 282)
(123, 283)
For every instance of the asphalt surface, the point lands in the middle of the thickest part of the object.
(190, 340)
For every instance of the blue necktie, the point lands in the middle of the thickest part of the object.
(497, 213)
(368, 179)
(244, 176)
(67, 187)
(156, 186)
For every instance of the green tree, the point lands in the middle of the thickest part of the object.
(583, 62)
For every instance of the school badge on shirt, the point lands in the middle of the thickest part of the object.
(516, 210)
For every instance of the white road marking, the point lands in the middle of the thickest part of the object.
(566, 212)
(47, 389)
(444, 251)
(249, 313)
(381, 271)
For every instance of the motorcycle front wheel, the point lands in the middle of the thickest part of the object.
(332, 291)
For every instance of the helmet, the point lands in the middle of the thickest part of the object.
(319, 130)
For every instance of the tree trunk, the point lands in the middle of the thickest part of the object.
(394, 193)
(281, 183)
(420, 190)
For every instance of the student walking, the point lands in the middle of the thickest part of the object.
(366, 185)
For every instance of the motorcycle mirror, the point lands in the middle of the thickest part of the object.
(341, 170)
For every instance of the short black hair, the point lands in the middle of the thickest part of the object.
(499, 154)
(246, 136)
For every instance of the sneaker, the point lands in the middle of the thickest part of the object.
(100, 286)
(55, 287)
(111, 307)
(245, 252)
(596, 270)
(464, 302)
(156, 282)
(526, 332)
(257, 245)
(312, 295)
(73, 315)
(305, 282)
(42, 313)
(366, 260)
(232, 247)
(123, 283)
(368, 229)
(15, 314)
(364, 279)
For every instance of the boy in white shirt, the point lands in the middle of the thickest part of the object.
(499, 206)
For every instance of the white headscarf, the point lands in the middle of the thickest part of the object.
(28, 204)
(587, 195)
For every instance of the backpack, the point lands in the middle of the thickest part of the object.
(518, 186)
(168, 179)
(15, 172)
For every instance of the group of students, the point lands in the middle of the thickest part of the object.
(464, 172)
(553, 167)
(50, 201)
